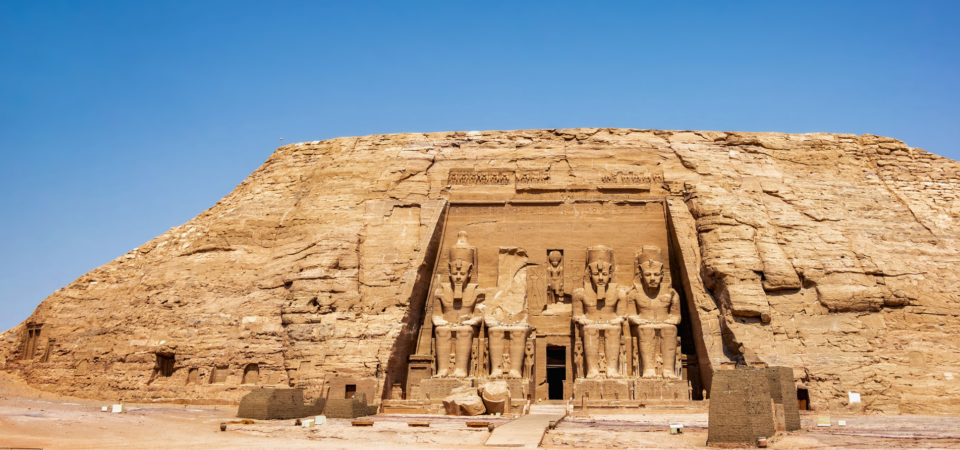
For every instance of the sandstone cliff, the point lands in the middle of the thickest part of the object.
(832, 254)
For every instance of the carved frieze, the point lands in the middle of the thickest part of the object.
(471, 177)
(643, 180)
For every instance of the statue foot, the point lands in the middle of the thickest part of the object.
(593, 375)
(650, 373)
(442, 373)
(515, 374)
(497, 373)
(669, 374)
(613, 374)
(459, 373)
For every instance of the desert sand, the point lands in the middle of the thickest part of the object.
(32, 418)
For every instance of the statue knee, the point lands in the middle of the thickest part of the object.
(669, 332)
(462, 334)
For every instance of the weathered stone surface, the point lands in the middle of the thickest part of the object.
(277, 404)
(832, 254)
(464, 402)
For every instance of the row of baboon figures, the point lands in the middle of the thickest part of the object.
(597, 311)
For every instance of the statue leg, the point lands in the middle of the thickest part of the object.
(591, 351)
(648, 354)
(464, 346)
(443, 351)
(612, 349)
(518, 341)
(668, 350)
(496, 352)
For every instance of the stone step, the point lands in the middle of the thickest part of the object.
(549, 409)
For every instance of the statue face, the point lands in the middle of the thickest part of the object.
(652, 275)
(600, 274)
(460, 272)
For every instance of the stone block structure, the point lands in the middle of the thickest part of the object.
(270, 404)
(350, 408)
(741, 410)
(590, 255)
(783, 391)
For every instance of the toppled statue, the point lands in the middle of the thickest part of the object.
(458, 300)
(595, 308)
(658, 312)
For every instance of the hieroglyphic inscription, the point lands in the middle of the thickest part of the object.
(532, 176)
(469, 177)
(537, 288)
(632, 178)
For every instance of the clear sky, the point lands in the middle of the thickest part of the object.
(119, 120)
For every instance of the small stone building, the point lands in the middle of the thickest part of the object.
(783, 392)
(277, 404)
(741, 410)
(350, 408)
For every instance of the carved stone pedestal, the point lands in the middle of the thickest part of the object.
(438, 388)
(657, 389)
(601, 389)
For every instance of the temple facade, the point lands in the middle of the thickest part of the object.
(563, 300)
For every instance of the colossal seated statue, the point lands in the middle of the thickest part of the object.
(597, 308)
(506, 315)
(658, 312)
(458, 319)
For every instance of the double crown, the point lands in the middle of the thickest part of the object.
(600, 257)
(462, 252)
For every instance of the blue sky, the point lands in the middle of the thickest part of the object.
(119, 120)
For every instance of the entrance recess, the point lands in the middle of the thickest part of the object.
(556, 371)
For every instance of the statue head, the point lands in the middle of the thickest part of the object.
(600, 267)
(554, 258)
(461, 264)
(650, 266)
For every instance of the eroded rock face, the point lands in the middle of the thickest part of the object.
(835, 255)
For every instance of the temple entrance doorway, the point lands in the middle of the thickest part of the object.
(556, 371)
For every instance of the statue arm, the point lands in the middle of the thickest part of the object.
(560, 275)
(473, 321)
(578, 315)
(438, 320)
(674, 315)
(636, 319)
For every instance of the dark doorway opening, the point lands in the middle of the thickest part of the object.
(803, 399)
(556, 371)
(165, 366)
(351, 389)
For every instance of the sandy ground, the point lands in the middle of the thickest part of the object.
(29, 418)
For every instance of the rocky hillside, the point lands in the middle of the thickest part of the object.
(834, 254)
